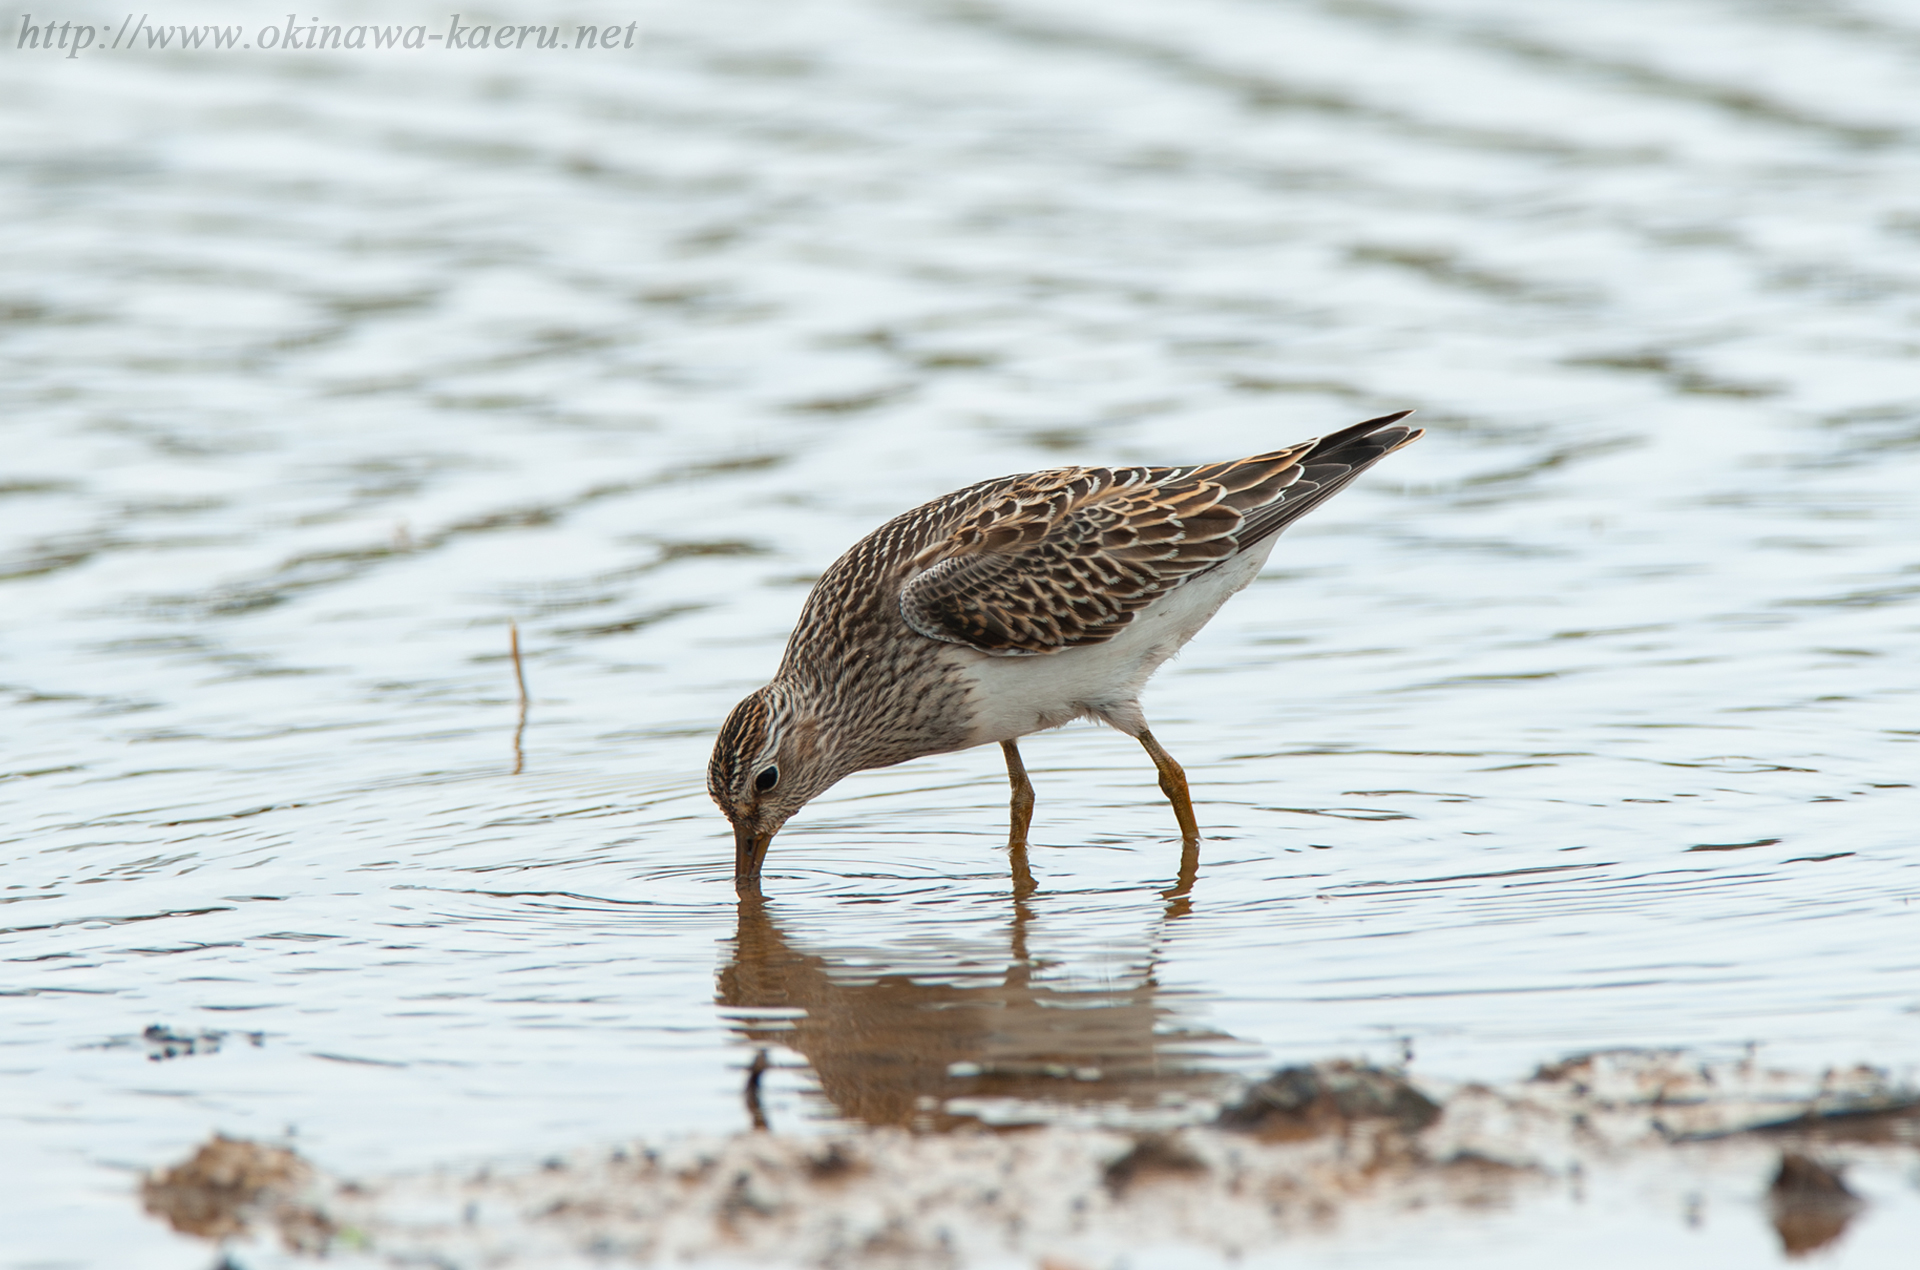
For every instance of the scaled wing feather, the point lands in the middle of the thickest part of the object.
(1066, 558)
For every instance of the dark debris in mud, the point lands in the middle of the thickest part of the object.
(1153, 1155)
(1307, 1102)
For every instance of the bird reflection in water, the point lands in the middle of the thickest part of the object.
(932, 1047)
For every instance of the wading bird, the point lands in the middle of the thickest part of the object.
(1011, 607)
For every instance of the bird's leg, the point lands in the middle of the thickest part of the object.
(1173, 783)
(1020, 815)
(1021, 806)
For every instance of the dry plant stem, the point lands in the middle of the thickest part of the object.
(1173, 783)
(520, 679)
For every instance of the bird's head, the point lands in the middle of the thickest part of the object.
(767, 763)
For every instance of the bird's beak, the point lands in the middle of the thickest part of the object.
(749, 849)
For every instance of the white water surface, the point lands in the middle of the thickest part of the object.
(1590, 720)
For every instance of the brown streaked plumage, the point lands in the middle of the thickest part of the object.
(1009, 607)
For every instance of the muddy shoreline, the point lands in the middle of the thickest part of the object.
(1309, 1154)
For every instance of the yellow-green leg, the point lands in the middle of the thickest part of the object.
(1021, 807)
(1020, 816)
(1173, 783)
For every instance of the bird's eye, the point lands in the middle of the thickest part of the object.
(767, 779)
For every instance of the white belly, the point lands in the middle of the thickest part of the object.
(1013, 696)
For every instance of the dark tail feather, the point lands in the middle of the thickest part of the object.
(1327, 469)
(1334, 440)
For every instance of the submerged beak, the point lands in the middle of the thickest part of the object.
(749, 849)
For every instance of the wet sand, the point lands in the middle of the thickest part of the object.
(1587, 1159)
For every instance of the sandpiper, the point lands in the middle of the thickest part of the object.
(1011, 607)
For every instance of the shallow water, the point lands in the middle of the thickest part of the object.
(1589, 720)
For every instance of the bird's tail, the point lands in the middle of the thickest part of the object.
(1326, 469)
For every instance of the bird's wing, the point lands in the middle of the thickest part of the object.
(1067, 557)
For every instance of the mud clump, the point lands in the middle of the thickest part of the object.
(1297, 1103)
(837, 1163)
(229, 1186)
(1154, 1156)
